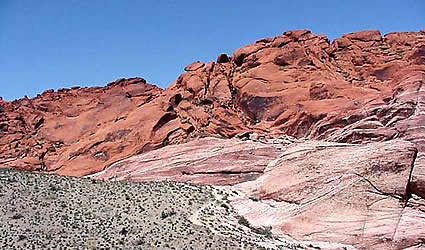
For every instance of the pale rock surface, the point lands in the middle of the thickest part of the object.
(310, 190)
(207, 160)
(352, 194)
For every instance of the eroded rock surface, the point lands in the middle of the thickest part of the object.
(364, 195)
(334, 134)
(352, 194)
(360, 87)
(207, 160)
(79, 131)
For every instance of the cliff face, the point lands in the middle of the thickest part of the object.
(361, 87)
(322, 140)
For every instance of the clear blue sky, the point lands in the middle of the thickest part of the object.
(53, 43)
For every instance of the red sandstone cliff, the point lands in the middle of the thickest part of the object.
(324, 140)
(360, 87)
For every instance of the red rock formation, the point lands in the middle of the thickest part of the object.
(80, 130)
(361, 87)
(350, 168)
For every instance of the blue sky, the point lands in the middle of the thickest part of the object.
(51, 44)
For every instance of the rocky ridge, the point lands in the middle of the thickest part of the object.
(361, 87)
(323, 140)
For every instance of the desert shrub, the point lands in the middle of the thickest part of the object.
(167, 213)
(266, 231)
(243, 221)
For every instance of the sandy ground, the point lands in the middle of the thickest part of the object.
(40, 211)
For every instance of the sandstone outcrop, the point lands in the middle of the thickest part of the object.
(320, 140)
(352, 194)
(367, 196)
(360, 87)
(80, 130)
(206, 160)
